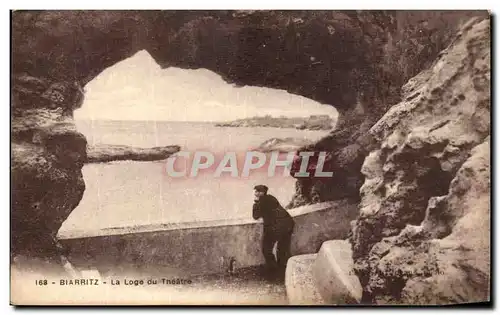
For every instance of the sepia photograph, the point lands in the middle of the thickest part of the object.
(250, 157)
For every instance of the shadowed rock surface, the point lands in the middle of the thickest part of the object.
(47, 155)
(108, 152)
(423, 224)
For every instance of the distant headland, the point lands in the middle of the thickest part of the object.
(313, 122)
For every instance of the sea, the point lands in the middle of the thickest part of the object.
(134, 193)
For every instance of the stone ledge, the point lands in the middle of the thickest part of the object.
(122, 230)
(333, 274)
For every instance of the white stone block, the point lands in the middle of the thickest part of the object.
(334, 275)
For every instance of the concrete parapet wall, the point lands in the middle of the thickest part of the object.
(196, 248)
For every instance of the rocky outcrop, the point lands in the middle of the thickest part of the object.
(107, 153)
(282, 145)
(422, 235)
(47, 155)
(300, 285)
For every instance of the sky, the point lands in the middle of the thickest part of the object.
(138, 89)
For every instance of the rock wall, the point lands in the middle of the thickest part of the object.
(422, 235)
(47, 155)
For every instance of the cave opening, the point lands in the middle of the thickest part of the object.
(137, 104)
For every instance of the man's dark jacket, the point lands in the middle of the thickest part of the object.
(276, 219)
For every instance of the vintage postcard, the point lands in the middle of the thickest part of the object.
(250, 157)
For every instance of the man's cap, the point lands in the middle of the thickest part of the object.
(261, 188)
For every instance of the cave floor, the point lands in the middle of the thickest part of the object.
(247, 286)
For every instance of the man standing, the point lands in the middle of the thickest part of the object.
(278, 227)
